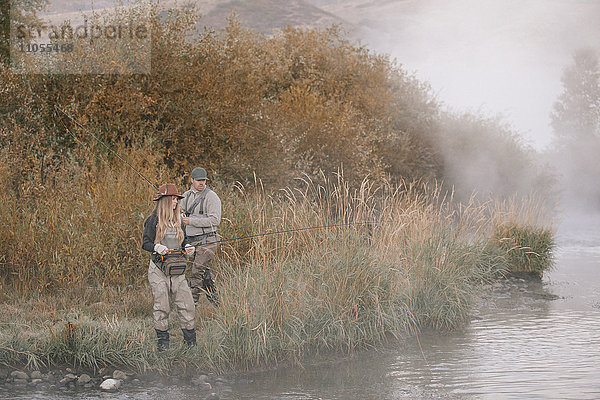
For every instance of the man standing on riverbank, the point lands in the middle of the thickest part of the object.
(202, 215)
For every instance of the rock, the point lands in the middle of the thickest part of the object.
(200, 380)
(36, 381)
(110, 384)
(19, 375)
(212, 396)
(83, 379)
(119, 375)
(36, 375)
(205, 386)
(67, 379)
(69, 370)
(19, 381)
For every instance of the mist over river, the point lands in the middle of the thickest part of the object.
(527, 339)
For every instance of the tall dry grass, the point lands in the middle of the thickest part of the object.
(523, 231)
(83, 229)
(416, 264)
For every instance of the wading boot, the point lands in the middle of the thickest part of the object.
(189, 337)
(163, 339)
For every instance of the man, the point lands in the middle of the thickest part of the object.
(202, 214)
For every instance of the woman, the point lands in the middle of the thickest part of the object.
(163, 236)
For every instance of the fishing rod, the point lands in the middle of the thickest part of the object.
(82, 127)
(235, 239)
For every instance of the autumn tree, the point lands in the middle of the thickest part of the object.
(576, 113)
(576, 123)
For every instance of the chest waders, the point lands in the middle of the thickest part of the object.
(175, 261)
(189, 208)
(173, 266)
(208, 278)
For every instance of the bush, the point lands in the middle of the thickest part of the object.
(528, 249)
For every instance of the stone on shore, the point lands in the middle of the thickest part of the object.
(67, 379)
(119, 375)
(110, 384)
(83, 379)
(200, 380)
(36, 375)
(19, 375)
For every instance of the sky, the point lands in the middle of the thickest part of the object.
(491, 56)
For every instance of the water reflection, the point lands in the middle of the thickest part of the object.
(528, 339)
(508, 355)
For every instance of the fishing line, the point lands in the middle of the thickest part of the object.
(85, 130)
(291, 231)
(102, 143)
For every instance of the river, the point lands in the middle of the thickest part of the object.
(527, 340)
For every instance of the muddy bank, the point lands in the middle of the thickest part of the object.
(515, 293)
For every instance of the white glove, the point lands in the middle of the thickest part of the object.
(189, 249)
(161, 248)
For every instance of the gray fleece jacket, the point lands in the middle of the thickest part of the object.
(206, 216)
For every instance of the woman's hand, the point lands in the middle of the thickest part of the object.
(189, 249)
(161, 249)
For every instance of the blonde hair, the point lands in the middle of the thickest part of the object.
(167, 217)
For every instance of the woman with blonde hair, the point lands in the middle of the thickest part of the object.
(163, 236)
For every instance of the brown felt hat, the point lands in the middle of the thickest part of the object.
(168, 189)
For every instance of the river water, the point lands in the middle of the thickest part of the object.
(527, 340)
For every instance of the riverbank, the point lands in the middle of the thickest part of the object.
(73, 382)
(418, 264)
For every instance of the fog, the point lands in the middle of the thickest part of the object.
(491, 57)
(495, 57)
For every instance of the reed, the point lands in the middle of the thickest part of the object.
(522, 231)
(82, 230)
(417, 264)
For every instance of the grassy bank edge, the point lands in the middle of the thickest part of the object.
(285, 298)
